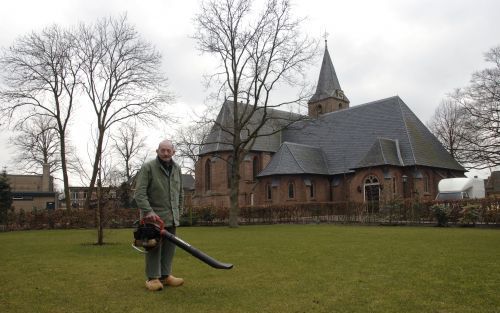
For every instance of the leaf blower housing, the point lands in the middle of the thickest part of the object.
(147, 235)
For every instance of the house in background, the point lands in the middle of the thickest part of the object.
(377, 151)
(33, 192)
(109, 195)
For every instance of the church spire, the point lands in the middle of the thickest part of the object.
(329, 96)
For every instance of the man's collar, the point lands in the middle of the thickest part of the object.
(165, 163)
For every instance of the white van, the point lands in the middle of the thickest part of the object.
(460, 188)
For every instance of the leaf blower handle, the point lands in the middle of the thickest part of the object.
(153, 218)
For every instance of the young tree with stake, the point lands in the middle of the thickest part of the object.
(122, 79)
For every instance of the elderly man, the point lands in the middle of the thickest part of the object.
(158, 195)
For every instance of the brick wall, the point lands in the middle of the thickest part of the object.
(219, 191)
(327, 105)
(419, 183)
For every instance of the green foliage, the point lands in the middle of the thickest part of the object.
(441, 213)
(280, 268)
(5, 197)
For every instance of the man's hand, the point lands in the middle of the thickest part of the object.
(152, 217)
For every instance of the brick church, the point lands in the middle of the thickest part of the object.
(372, 152)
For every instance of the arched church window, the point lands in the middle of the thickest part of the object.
(426, 183)
(371, 180)
(372, 192)
(208, 175)
(269, 192)
(312, 191)
(291, 190)
(255, 167)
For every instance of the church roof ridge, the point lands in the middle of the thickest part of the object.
(299, 144)
(294, 158)
(359, 106)
(410, 139)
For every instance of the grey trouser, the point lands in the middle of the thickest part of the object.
(159, 260)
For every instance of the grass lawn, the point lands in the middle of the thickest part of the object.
(281, 268)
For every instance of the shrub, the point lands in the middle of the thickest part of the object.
(189, 218)
(470, 214)
(441, 213)
(207, 214)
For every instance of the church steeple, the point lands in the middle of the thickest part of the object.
(329, 97)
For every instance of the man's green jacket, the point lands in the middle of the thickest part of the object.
(160, 191)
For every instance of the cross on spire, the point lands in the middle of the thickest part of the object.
(325, 35)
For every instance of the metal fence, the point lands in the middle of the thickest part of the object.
(466, 212)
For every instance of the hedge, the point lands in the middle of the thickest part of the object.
(477, 212)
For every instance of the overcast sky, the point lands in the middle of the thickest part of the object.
(417, 49)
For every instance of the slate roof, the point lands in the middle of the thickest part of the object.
(347, 137)
(293, 158)
(328, 83)
(383, 132)
(383, 152)
(269, 139)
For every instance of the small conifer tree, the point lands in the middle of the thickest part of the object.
(5, 197)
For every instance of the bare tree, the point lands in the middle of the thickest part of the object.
(130, 146)
(189, 140)
(41, 77)
(37, 143)
(448, 124)
(255, 55)
(122, 79)
(109, 172)
(481, 102)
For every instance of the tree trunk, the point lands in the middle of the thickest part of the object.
(99, 215)
(234, 210)
(64, 168)
(95, 170)
(127, 170)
